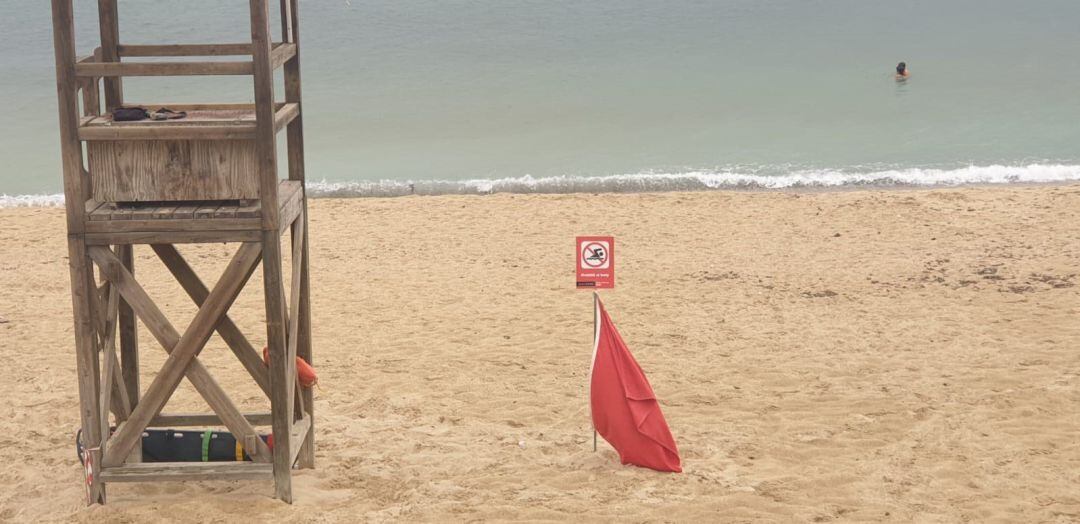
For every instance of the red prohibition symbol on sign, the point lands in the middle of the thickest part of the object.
(594, 255)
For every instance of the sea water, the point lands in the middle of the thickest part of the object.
(477, 96)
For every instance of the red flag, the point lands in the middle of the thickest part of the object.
(624, 408)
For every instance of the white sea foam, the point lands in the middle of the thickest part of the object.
(705, 180)
(683, 181)
(56, 200)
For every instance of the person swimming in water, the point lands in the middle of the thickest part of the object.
(902, 72)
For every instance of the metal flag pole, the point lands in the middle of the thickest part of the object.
(596, 344)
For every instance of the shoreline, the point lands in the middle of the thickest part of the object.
(56, 200)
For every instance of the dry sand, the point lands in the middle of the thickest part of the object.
(866, 355)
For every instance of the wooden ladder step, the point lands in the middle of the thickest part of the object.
(185, 471)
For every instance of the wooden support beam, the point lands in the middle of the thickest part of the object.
(122, 69)
(167, 50)
(243, 131)
(204, 106)
(109, 374)
(172, 237)
(121, 403)
(303, 350)
(281, 382)
(109, 25)
(292, 203)
(91, 97)
(297, 435)
(265, 142)
(294, 285)
(290, 22)
(295, 289)
(143, 50)
(286, 21)
(184, 420)
(187, 471)
(282, 54)
(76, 187)
(203, 224)
(129, 337)
(101, 296)
(82, 287)
(247, 354)
(181, 349)
(285, 115)
(280, 387)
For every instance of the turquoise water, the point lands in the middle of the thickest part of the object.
(494, 95)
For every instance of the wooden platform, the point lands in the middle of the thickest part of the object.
(203, 122)
(180, 222)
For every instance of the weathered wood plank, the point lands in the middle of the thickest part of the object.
(252, 209)
(187, 420)
(293, 90)
(121, 403)
(97, 133)
(265, 143)
(165, 170)
(245, 352)
(290, 22)
(281, 54)
(103, 211)
(172, 237)
(142, 213)
(285, 115)
(182, 350)
(292, 201)
(91, 206)
(144, 50)
(165, 212)
(294, 287)
(129, 345)
(101, 295)
(121, 213)
(192, 107)
(76, 188)
(187, 471)
(183, 224)
(228, 212)
(109, 28)
(82, 288)
(91, 97)
(109, 373)
(206, 211)
(303, 350)
(132, 69)
(184, 211)
(297, 435)
(167, 50)
(281, 385)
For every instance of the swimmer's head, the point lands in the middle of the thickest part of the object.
(901, 68)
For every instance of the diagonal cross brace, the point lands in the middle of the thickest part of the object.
(226, 328)
(118, 400)
(182, 351)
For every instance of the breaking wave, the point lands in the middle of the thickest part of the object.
(682, 181)
(704, 180)
(56, 200)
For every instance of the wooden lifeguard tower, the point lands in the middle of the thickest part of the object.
(210, 177)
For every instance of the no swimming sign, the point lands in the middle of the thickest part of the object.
(595, 262)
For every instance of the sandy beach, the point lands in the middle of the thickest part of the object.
(904, 355)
